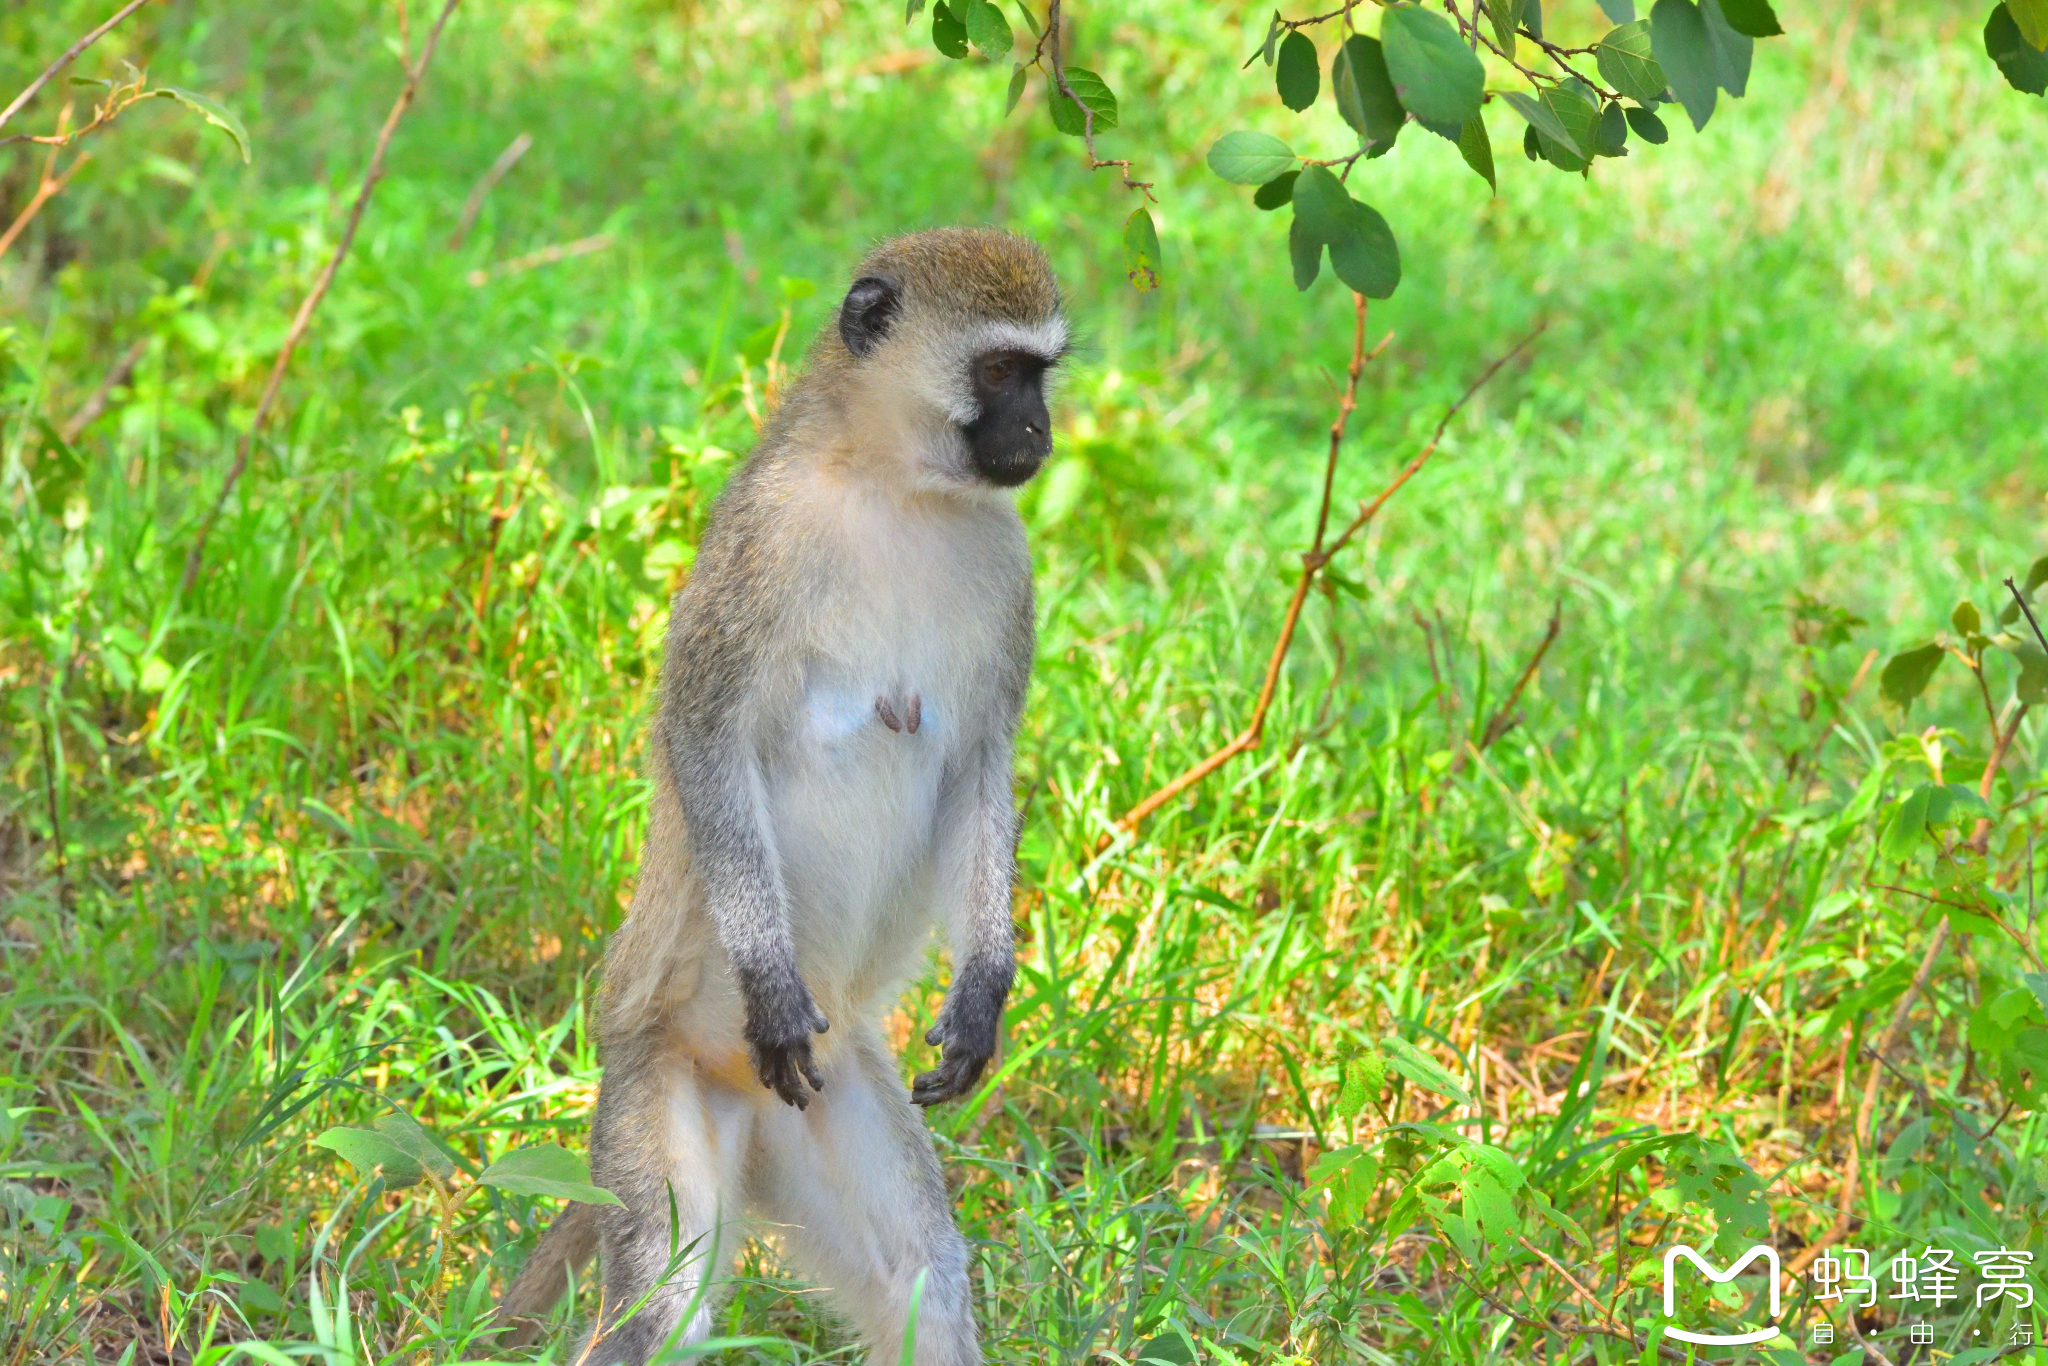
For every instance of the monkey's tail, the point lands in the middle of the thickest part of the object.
(565, 1248)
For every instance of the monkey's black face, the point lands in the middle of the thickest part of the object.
(1012, 436)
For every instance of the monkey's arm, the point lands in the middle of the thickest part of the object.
(984, 960)
(723, 796)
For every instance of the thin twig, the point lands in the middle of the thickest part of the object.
(48, 186)
(1312, 562)
(1503, 719)
(311, 302)
(1050, 42)
(545, 256)
(1805, 1256)
(89, 411)
(54, 67)
(472, 206)
(2020, 598)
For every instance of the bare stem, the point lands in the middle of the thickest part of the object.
(1312, 562)
(311, 303)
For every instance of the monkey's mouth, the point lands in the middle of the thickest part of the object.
(1006, 453)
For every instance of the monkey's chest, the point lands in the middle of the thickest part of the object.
(857, 796)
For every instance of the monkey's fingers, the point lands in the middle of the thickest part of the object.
(779, 1074)
(955, 1076)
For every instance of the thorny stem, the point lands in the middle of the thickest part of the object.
(1312, 562)
(307, 306)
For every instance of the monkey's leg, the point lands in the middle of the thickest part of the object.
(671, 1145)
(862, 1206)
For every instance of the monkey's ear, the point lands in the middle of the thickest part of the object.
(869, 309)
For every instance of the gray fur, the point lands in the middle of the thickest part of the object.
(845, 672)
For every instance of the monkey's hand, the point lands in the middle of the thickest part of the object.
(781, 1017)
(966, 1033)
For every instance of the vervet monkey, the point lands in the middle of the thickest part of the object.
(832, 772)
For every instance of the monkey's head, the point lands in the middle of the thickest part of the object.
(961, 325)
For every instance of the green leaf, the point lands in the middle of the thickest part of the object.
(1304, 252)
(411, 1136)
(911, 9)
(1907, 674)
(1507, 17)
(1477, 149)
(988, 30)
(1732, 50)
(1965, 619)
(1610, 135)
(1754, 17)
(1366, 257)
(2024, 67)
(1543, 121)
(1365, 1076)
(2037, 982)
(949, 35)
(1628, 63)
(1277, 191)
(274, 1242)
(1958, 804)
(1089, 88)
(1678, 35)
(1618, 11)
(257, 1296)
(1425, 1071)
(1016, 89)
(1248, 158)
(1321, 204)
(213, 111)
(1365, 92)
(2036, 576)
(1030, 19)
(1579, 113)
(1168, 1349)
(1648, 126)
(2032, 687)
(545, 1169)
(1141, 251)
(369, 1151)
(1298, 74)
(1532, 144)
(2031, 18)
(1436, 76)
(1906, 829)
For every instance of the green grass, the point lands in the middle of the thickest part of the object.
(346, 827)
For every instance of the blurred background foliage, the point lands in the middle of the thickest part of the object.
(344, 827)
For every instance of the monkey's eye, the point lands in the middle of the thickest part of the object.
(999, 370)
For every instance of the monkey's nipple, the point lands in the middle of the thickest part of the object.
(912, 718)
